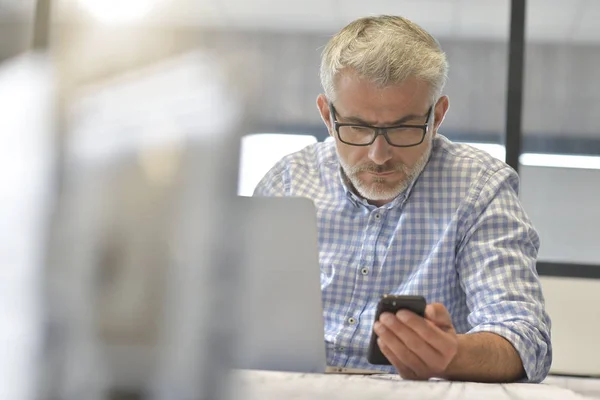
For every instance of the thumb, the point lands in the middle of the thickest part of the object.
(439, 315)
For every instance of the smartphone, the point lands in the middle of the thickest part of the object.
(392, 304)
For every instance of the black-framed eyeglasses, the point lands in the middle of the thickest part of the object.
(406, 135)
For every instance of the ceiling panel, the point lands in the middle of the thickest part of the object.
(487, 19)
(270, 7)
(162, 12)
(548, 20)
(306, 15)
(189, 13)
(437, 16)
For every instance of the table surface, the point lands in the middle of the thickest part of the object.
(263, 385)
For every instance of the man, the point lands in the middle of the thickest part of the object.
(402, 210)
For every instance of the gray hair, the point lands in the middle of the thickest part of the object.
(384, 50)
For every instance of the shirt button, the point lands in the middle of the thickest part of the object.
(341, 348)
(352, 321)
(377, 216)
(364, 271)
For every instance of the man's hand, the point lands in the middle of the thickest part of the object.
(419, 348)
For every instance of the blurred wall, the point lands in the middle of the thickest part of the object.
(286, 65)
(15, 36)
(559, 94)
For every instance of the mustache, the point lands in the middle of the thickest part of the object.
(378, 169)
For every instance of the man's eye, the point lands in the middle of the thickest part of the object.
(360, 129)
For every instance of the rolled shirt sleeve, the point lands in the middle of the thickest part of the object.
(496, 263)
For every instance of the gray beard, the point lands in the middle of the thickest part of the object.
(377, 191)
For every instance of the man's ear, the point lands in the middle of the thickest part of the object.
(439, 112)
(323, 106)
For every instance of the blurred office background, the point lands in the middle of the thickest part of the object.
(279, 43)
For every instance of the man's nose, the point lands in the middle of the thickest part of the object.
(380, 151)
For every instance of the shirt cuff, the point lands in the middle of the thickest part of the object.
(533, 348)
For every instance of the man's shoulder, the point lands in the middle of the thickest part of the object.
(303, 170)
(461, 169)
(464, 159)
(312, 157)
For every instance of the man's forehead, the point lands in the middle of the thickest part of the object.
(359, 98)
(379, 113)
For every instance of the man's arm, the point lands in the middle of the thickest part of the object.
(422, 348)
(510, 338)
(485, 357)
(496, 266)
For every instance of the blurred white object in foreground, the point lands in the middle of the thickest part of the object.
(151, 166)
(26, 90)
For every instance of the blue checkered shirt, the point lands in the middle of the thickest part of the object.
(458, 236)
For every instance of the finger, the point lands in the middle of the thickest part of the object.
(431, 357)
(439, 315)
(438, 339)
(399, 349)
(404, 371)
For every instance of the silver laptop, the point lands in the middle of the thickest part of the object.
(280, 304)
